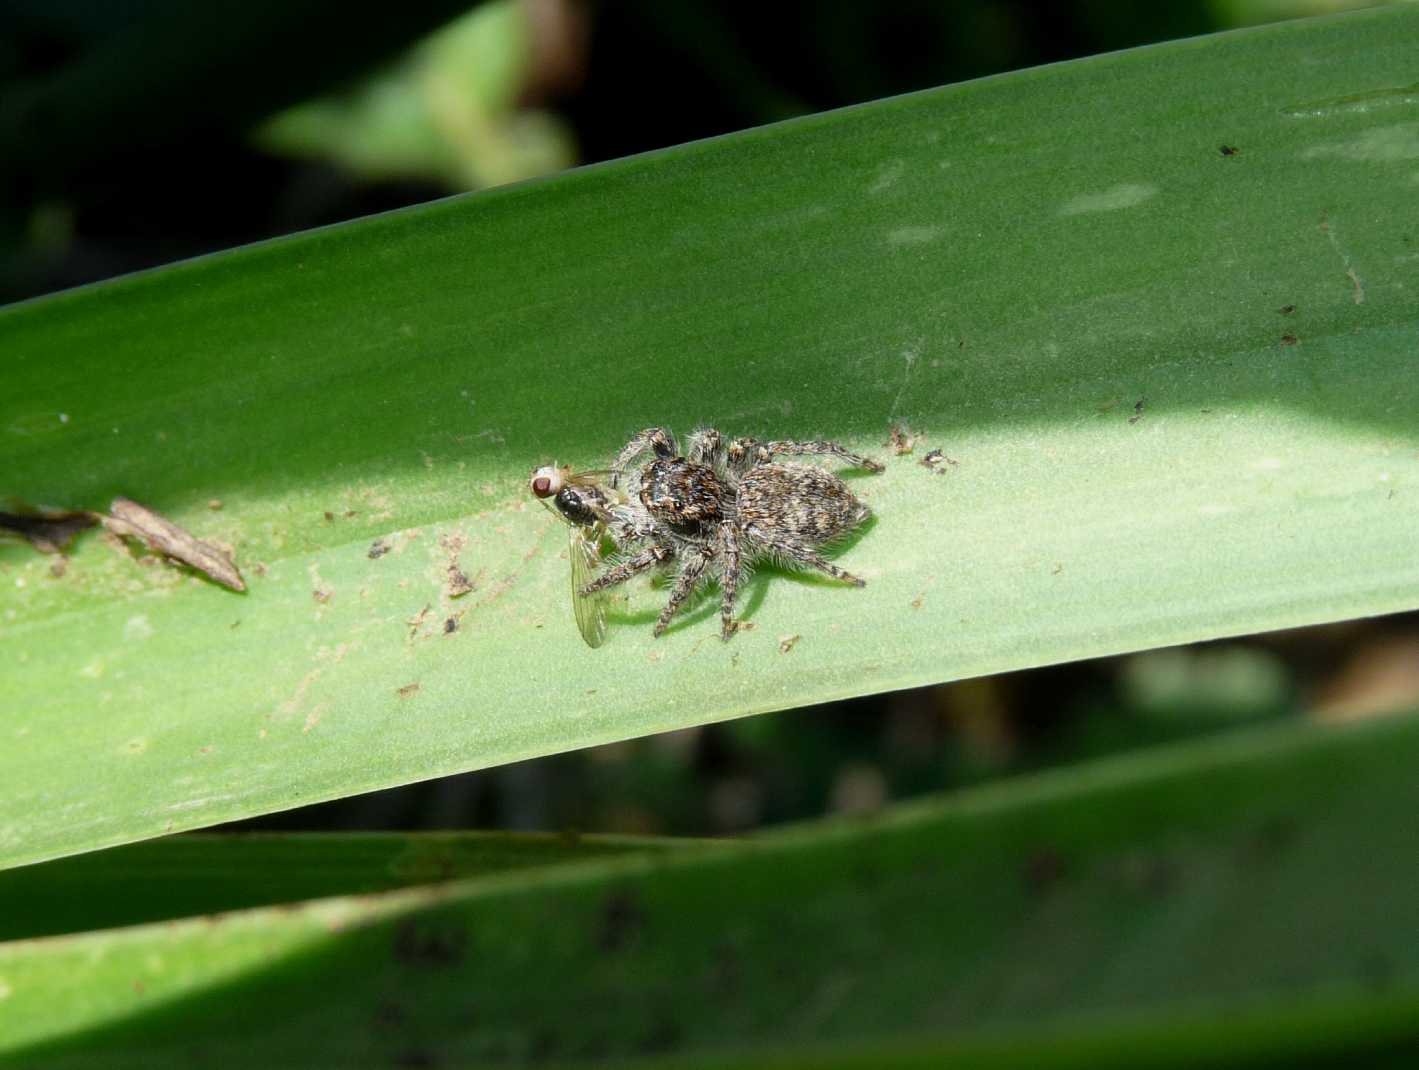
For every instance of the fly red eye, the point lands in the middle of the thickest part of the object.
(542, 487)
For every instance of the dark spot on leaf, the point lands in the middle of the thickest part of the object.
(48, 532)
(867, 873)
(389, 1015)
(542, 1045)
(1228, 150)
(1137, 410)
(378, 549)
(621, 920)
(431, 946)
(450, 626)
(663, 1035)
(458, 582)
(1149, 874)
(726, 971)
(1289, 339)
(1043, 869)
(1286, 310)
(1271, 839)
(408, 691)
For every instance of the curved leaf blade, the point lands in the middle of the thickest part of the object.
(1187, 906)
(1176, 384)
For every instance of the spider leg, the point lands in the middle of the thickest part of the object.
(690, 572)
(631, 524)
(647, 558)
(798, 553)
(729, 580)
(706, 447)
(743, 453)
(822, 449)
(660, 440)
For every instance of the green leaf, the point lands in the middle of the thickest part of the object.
(1175, 387)
(1247, 897)
(175, 876)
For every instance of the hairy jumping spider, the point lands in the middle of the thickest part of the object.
(723, 505)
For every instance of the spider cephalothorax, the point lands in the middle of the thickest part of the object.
(723, 504)
(688, 497)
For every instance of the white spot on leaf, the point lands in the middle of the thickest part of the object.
(1385, 144)
(888, 176)
(1124, 195)
(913, 235)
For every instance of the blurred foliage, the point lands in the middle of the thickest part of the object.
(1245, 902)
(447, 112)
(122, 123)
(1257, 12)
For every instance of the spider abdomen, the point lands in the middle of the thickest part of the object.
(800, 502)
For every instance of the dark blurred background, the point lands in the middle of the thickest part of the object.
(138, 132)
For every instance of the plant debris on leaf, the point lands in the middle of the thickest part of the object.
(129, 519)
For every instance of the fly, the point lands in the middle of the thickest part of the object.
(585, 507)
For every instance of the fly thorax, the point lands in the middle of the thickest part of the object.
(580, 504)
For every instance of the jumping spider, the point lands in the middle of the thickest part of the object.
(724, 504)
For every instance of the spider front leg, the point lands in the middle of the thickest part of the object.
(766, 451)
(660, 440)
(707, 447)
(647, 558)
(690, 573)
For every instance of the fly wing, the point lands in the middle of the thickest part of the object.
(585, 553)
